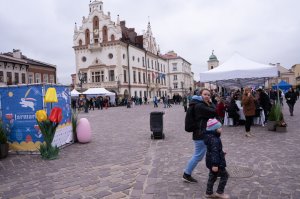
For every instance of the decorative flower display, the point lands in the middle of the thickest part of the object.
(48, 125)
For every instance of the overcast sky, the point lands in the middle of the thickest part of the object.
(266, 31)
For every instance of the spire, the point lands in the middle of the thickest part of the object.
(149, 27)
(118, 20)
(212, 52)
(75, 28)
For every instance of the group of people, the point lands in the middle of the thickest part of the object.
(207, 132)
(81, 103)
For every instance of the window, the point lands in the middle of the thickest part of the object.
(23, 78)
(152, 63)
(139, 76)
(51, 79)
(175, 85)
(104, 33)
(155, 65)
(149, 78)
(143, 61)
(83, 59)
(45, 78)
(111, 75)
(133, 58)
(9, 78)
(87, 37)
(175, 77)
(93, 76)
(212, 67)
(123, 56)
(96, 76)
(144, 78)
(30, 78)
(134, 77)
(1, 76)
(110, 55)
(138, 59)
(174, 66)
(141, 94)
(125, 77)
(112, 37)
(38, 78)
(80, 42)
(17, 78)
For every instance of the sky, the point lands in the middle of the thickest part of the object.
(265, 31)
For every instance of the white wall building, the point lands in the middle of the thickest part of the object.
(114, 57)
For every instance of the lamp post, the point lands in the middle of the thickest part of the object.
(81, 78)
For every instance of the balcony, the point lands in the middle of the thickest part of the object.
(107, 85)
(95, 47)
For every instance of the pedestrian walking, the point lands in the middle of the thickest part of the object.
(184, 103)
(249, 109)
(291, 98)
(203, 110)
(215, 160)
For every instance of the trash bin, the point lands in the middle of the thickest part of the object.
(157, 125)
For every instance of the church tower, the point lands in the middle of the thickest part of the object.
(213, 61)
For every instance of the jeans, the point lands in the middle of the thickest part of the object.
(212, 179)
(200, 150)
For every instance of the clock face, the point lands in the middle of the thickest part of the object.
(96, 31)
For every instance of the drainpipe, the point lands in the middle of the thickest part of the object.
(129, 85)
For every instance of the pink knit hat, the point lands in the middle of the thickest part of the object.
(213, 124)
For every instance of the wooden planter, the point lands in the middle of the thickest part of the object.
(271, 125)
(281, 129)
(3, 150)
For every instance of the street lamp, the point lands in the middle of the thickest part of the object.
(81, 78)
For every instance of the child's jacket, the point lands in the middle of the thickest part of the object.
(214, 155)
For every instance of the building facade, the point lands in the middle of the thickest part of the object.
(16, 68)
(110, 55)
(283, 74)
(296, 69)
(180, 77)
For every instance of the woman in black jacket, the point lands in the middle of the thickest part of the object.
(291, 98)
(204, 109)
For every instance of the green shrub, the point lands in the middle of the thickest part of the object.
(275, 113)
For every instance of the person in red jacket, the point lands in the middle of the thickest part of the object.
(220, 110)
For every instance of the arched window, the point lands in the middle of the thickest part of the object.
(95, 23)
(112, 37)
(80, 42)
(104, 32)
(87, 37)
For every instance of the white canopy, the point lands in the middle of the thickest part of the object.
(239, 71)
(75, 93)
(101, 92)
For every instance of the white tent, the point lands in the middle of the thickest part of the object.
(239, 71)
(75, 93)
(100, 92)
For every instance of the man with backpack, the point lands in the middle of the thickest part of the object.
(200, 110)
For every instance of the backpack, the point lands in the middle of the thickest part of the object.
(190, 123)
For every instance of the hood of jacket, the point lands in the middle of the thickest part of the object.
(195, 100)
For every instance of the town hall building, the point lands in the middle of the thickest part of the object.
(110, 55)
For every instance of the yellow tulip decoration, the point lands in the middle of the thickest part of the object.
(48, 125)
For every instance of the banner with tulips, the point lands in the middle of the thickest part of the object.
(18, 112)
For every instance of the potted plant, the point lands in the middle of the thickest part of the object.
(281, 125)
(273, 117)
(3, 142)
(74, 125)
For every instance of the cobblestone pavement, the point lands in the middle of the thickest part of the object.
(123, 162)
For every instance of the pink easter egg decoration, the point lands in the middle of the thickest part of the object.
(84, 132)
